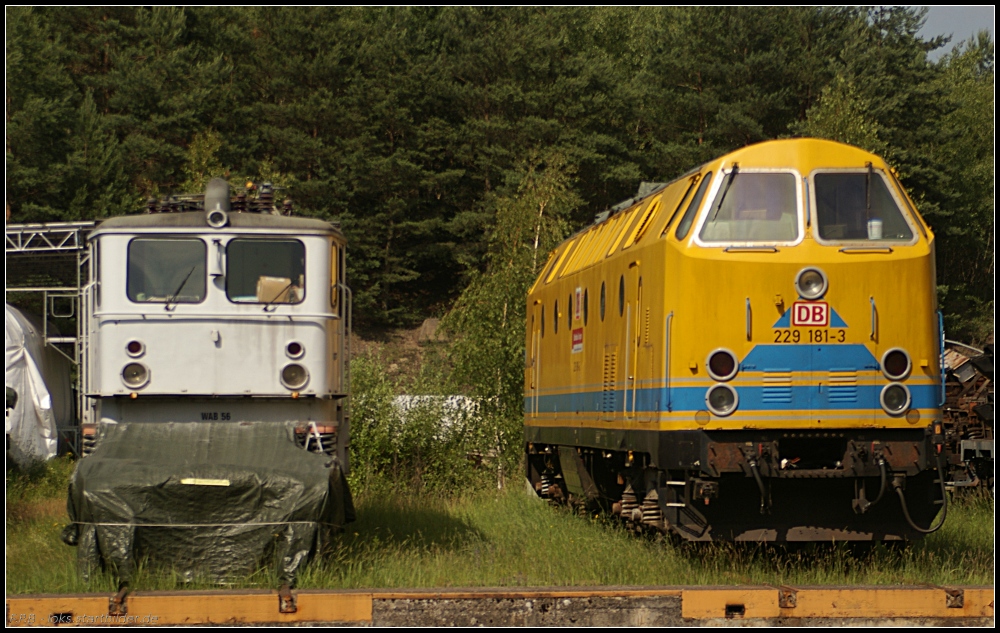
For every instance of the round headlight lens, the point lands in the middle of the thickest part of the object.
(895, 398)
(294, 350)
(722, 364)
(294, 376)
(135, 349)
(721, 400)
(896, 364)
(135, 375)
(811, 283)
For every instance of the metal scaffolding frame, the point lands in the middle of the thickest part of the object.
(53, 260)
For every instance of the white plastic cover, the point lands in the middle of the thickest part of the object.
(41, 378)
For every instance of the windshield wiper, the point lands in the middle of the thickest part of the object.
(280, 292)
(173, 297)
(729, 183)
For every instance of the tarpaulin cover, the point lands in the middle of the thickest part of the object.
(41, 377)
(209, 499)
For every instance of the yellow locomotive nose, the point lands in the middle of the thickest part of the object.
(706, 382)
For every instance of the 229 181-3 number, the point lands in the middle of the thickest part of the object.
(811, 335)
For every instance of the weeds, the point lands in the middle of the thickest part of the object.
(430, 517)
(415, 443)
(409, 538)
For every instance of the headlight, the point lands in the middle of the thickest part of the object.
(895, 398)
(896, 364)
(811, 283)
(135, 375)
(295, 350)
(294, 376)
(722, 365)
(135, 349)
(721, 400)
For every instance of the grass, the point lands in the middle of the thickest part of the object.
(511, 539)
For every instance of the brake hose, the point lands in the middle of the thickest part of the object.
(944, 501)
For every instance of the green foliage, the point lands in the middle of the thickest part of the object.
(405, 123)
(842, 114)
(967, 246)
(421, 442)
(488, 319)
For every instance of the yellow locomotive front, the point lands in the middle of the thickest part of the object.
(764, 361)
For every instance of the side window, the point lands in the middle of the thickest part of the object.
(621, 296)
(334, 278)
(265, 271)
(685, 224)
(95, 266)
(687, 192)
(555, 317)
(166, 270)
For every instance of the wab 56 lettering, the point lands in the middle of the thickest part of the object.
(811, 335)
(215, 415)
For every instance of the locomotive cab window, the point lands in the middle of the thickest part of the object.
(858, 206)
(753, 207)
(335, 278)
(166, 270)
(265, 271)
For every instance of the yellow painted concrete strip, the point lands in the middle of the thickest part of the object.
(54, 610)
(889, 603)
(713, 603)
(180, 608)
(317, 605)
(221, 608)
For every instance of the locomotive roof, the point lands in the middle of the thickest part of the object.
(196, 220)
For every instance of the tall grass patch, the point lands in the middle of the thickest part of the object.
(419, 443)
(479, 537)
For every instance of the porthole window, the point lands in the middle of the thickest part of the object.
(621, 296)
(603, 293)
(555, 317)
(585, 306)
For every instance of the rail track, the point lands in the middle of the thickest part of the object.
(554, 606)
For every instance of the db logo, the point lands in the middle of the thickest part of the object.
(810, 314)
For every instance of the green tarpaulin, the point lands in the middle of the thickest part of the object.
(208, 499)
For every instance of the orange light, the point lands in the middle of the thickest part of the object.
(133, 395)
(295, 394)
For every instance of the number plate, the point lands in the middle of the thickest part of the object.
(811, 335)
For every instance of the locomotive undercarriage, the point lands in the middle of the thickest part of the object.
(780, 486)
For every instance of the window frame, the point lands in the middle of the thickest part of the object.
(715, 191)
(273, 238)
(165, 238)
(901, 205)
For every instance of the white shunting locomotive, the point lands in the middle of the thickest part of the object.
(198, 316)
(215, 384)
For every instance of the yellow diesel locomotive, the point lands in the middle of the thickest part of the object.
(751, 351)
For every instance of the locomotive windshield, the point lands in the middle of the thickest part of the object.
(265, 271)
(753, 207)
(166, 270)
(858, 206)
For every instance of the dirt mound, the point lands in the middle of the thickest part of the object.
(403, 350)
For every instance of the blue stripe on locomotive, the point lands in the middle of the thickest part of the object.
(763, 358)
